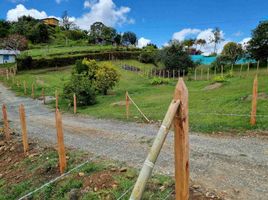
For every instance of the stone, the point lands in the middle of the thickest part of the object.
(74, 194)
(123, 169)
(81, 174)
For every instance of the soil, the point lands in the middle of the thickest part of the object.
(213, 86)
(261, 96)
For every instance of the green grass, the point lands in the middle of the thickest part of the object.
(50, 51)
(154, 100)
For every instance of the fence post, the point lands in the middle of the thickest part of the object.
(181, 144)
(61, 148)
(43, 96)
(173, 74)
(254, 101)
(127, 105)
(6, 124)
(222, 71)
(168, 73)
(258, 65)
(149, 163)
(201, 73)
(195, 74)
(23, 129)
(248, 70)
(232, 68)
(208, 74)
(57, 99)
(215, 71)
(74, 104)
(241, 68)
(25, 87)
(32, 91)
(183, 73)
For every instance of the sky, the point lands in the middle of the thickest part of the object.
(155, 21)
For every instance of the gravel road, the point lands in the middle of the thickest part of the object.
(236, 167)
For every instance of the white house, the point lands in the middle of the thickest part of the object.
(8, 56)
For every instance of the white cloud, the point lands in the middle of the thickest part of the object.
(142, 42)
(59, 1)
(181, 35)
(106, 12)
(244, 42)
(238, 33)
(20, 10)
(89, 4)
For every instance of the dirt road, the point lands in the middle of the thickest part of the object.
(237, 167)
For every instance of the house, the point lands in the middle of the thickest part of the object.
(51, 21)
(8, 56)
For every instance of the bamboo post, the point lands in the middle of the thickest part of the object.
(61, 148)
(181, 144)
(6, 124)
(127, 105)
(195, 74)
(25, 87)
(254, 101)
(248, 70)
(74, 104)
(208, 74)
(149, 163)
(222, 71)
(57, 99)
(23, 129)
(43, 96)
(32, 91)
(241, 68)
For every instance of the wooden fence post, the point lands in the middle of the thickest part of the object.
(215, 71)
(208, 74)
(57, 99)
(241, 68)
(254, 101)
(248, 70)
(61, 148)
(74, 104)
(195, 74)
(25, 87)
(183, 73)
(173, 74)
(32, 91)
(127, 105)
(23, 129)
(181, 144)
(6, 124)
(201, 73)
(258, 65)
(7, 74)
(43, 96)
(222, 71)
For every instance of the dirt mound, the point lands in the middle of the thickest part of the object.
(261, 96)
(119, 103)
(213, 86)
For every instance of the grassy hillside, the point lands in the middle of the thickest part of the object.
(205, 106)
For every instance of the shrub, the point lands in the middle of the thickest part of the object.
(83, 88)
(148, 55)
(219, 79)
(106, 78)
(159, 81)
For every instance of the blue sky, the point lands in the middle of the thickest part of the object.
(154, 20)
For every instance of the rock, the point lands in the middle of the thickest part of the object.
(236, 190)
(67, 157)
(33, 155)
(95, 189)
(123, 169)
(9, 159)
(2, 143)
(81, 174)
(162, 188)
(74, 194)
(2, 148)
(196, 186)
(113, 169)
(50, 99)
(12, 148)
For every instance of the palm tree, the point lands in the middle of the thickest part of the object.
(217, 38)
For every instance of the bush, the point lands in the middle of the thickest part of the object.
(83, 88)
(106, 78)
(219, 79)
(148, 55)
(159, 81)
(220, 61)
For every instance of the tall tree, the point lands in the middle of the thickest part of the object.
(216, 39)
(4, 28)
(201, 43)
(258, 45)
(232, 52)
(129, 38)
(66, 23)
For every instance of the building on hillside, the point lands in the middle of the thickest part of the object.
(51, 21)
(8, 56)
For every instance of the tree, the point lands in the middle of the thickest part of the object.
(129, 38)
(4, 28)
(201, 43)
(258, 45)
(39, 33)
(15, 42)
(117, 39)
(99, 33)
(66, 23)
(188, 43)
(108, 34)
(175, 57)
(232, 51)
(216, 39)
(148, 54)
